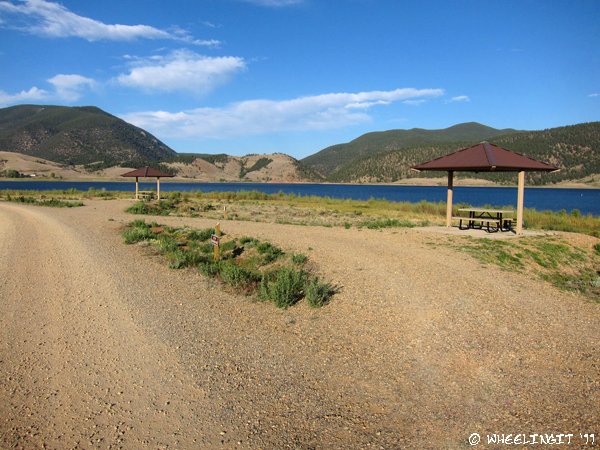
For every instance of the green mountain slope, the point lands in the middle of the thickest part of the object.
(575, 149)
(76, 135)
(333, 158)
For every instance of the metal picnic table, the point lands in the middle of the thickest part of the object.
(479, 216)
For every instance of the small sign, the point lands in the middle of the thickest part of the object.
(214, 239)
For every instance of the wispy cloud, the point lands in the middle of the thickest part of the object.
(413, 102)
(54, 20)
(70, 87)
(181, 70)
(320, 112)
(32, 95)
(460, 98)
(593, 95)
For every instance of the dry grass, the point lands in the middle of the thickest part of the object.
(321, 211)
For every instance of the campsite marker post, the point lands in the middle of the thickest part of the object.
(215, 240)
(225, 211)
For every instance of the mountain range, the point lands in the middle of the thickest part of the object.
(92, 142)
(334, 158)
(76, 135)
(575, 149)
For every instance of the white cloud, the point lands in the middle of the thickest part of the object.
(413, 102)
(54, 20)
(33, 94)
(67, 88)
(181, 70)
(253, 117)
(593, 95)
(460, 98)
(70, 87)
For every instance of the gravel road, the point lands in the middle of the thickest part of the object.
(102, 346)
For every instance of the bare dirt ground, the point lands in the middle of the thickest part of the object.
(102, 346)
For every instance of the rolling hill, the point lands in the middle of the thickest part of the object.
(575, 149)
(334, 158)
(76, 135)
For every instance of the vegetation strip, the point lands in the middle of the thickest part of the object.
(248, 266)
(42, 202)
(319, 211)
(551, 259)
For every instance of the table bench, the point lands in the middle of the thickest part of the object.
(480, 216)
(145, 194)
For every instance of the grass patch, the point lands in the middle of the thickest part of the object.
(247, 265)
(323, 211)
(55, 203)
(552, 259)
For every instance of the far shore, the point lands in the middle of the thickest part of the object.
(468, 182)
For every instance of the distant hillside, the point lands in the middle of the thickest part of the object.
(275, 167)
(255, 168)
(76, 135)
(575, 149)
(333, 158)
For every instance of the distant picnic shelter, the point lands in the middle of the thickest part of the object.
(486, 157)
(147, 172)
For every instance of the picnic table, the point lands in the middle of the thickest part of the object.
(480, 216)
(145, 194)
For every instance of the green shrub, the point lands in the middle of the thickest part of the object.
(299, 258)
(263, 248)
(200, 235)
(287, 288)
(269, 252)
(207, 247)
(347, 225)
(208, 269)
(234, 275)
(139, 223)
(179, 258)
(230, 245)
(138, 235)
(249, 242)
(318, 293)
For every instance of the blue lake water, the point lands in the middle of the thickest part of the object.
(585, 200)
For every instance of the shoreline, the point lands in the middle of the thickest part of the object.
(476, 183)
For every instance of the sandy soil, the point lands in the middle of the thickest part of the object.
(102, 346)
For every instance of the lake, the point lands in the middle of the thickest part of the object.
(585, 200)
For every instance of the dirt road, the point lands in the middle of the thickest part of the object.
(102, 346)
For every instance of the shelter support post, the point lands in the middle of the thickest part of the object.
(137, 189)
(520, 198)
(158, 188)
(449, 202)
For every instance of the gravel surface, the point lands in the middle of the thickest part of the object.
(103, 346)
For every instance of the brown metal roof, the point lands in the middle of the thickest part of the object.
(486, 157)
(147, 172)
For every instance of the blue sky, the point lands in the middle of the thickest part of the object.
(295, 76)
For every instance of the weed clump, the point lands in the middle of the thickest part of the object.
(286, 288)
(318, 293)
(42, 202)
(245, 267)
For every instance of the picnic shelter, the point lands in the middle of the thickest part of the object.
(486, 157)
(147, 172)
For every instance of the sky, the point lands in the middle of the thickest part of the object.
(296, 76)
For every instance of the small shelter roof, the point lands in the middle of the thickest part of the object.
(485, 157)
(147, 172)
